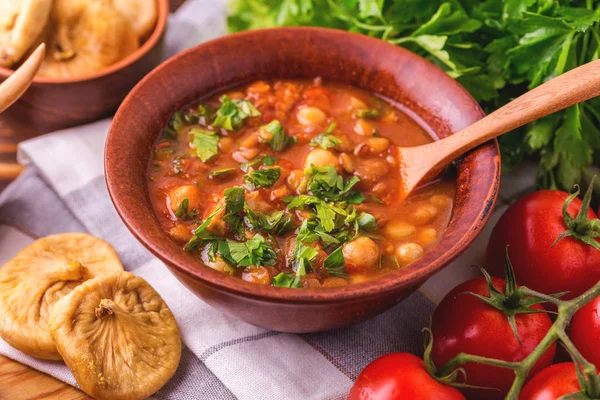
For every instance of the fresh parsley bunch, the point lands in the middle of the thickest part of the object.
(497, 49)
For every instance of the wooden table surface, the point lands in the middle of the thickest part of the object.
(18, 382)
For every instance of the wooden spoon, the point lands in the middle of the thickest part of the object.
(420, 163)
(14, 87)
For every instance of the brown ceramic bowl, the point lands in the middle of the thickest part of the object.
(352, 59)
(51, 104)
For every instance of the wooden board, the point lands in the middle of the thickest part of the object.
(19, 382)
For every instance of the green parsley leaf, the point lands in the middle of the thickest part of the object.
(335, 264)
(325, 183)
(367, 222)
(174, 127)
(256, 251)
(278, 222)
(183, 212)
(258, 161)
(279, 140)
(201, 233)
(283, 280)
(232, 113)
(234, 199)
(221, 172)
(372, 113)
(262, 178)
(205, 142)
(325, 140)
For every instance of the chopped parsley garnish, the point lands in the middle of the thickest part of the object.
(193, 116)
(234, 203)
(327, 184)
(232, 113)
(201, 234)
(183, 211)
(278, 222)
(206, 143)
(258, 161)
(278, 141)
(234, 199)
(325, 140)
(174, 126)
(335, 264)
(367, 221)
(221, 172)
(284, 280)
(262, 178)
(368, 114)
(256, 251)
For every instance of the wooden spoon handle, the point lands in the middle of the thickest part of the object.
(14, 87)
(575, 86)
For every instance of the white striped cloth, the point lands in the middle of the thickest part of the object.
(63, 190)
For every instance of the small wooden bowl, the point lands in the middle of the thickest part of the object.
(56, 103)
(334, 55)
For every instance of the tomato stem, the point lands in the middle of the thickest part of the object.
(566, 311)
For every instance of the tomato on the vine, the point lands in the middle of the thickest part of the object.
(479, 317)
(552, 383)
(585, 331)
(531, 227)
(400, 376)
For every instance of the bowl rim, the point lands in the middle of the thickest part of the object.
(378, 286)
(159, 28)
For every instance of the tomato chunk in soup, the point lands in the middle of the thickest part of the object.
(294, 183)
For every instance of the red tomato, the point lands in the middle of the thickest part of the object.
(585, 331)
(464, 323)
(529, 227)
(552, 383)
(400, 376)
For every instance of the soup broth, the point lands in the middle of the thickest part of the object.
(295, 183)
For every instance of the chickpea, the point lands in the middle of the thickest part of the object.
(249, 141)
(361, 254)
(244, 155)
(440, 200)
(256, 203)
(320, 158)
(427, 236)
(380, 188)
(371, 171)
(219, 264)
(280, 192)
(190, 192)
(347, 163)
(297, 181)
(225, 144)
(311, 116)
(217, 225)
(356, 104)
(378, 145)
(258, 275)
(334, 281)
(181, 233)
(408, 253)
(311, 283)
(364, 128)
(424, 214)
(398, 230)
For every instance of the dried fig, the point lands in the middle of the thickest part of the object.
(41, 274)
(21, 23)
(86, 36)
(117, 336)
(141, 13)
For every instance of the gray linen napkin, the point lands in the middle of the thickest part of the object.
(63, 190)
